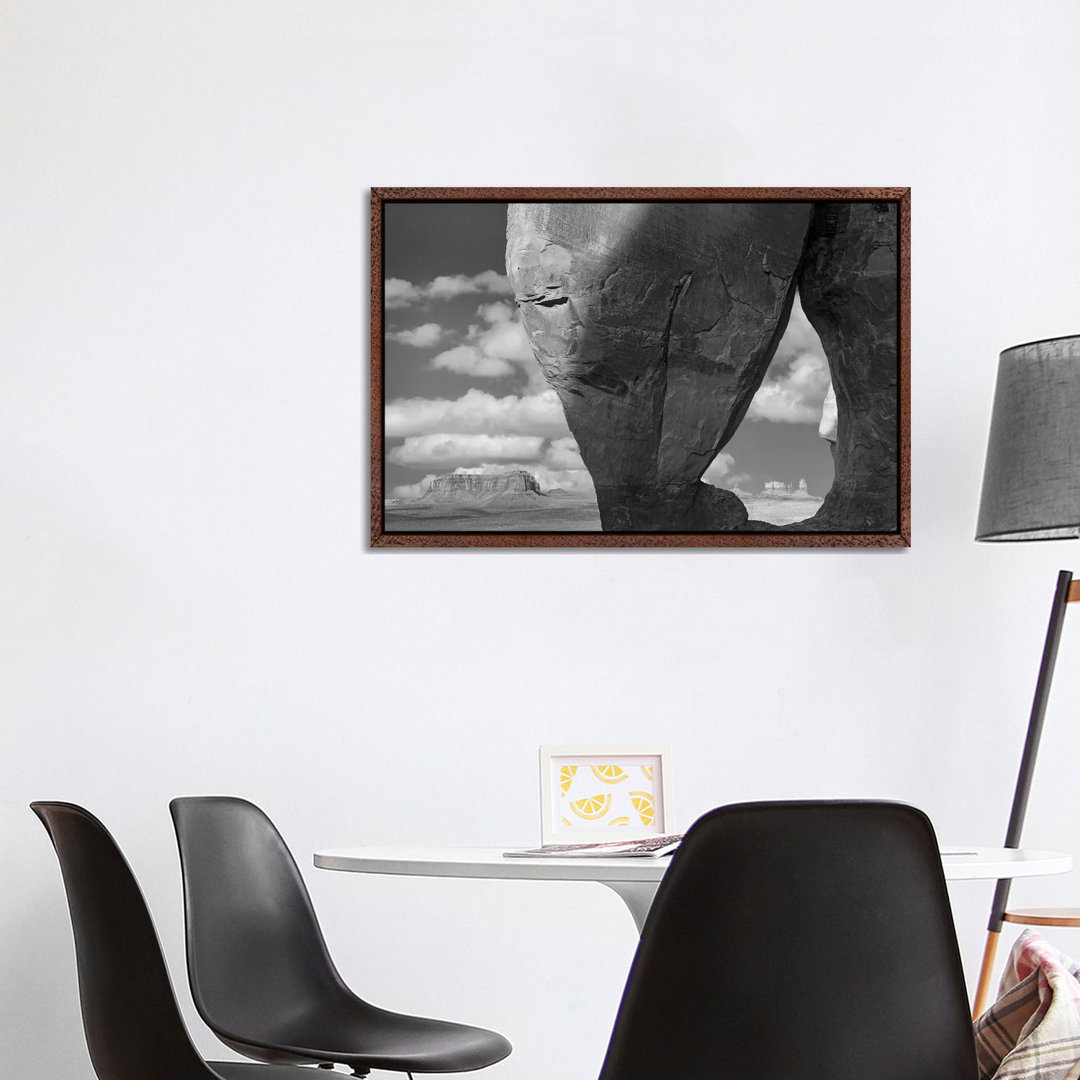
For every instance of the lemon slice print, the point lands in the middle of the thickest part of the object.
(609, 774)
(624, 820)
(646, 771)
(566, 777)
(592, 808)
(643, 804)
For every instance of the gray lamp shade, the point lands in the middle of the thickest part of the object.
(1031, 486)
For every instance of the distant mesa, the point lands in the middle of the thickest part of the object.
(495, 491)
(779, 504)
(777, 489)
(517, 482)
(493, 502)
(515, 489)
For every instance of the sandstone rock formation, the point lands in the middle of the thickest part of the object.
(849, 290)
(507, 490)
(780, 490)
(517, 482)
(655, 324)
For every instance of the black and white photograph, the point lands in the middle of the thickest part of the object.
(716, 369)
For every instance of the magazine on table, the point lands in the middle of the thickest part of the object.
(649, 847)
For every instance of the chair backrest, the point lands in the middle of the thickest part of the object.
(798, 941)
(255, 952)
(132, 1022)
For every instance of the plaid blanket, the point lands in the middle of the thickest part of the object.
(1032, 1031)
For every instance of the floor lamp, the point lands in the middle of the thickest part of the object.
(1031, 491)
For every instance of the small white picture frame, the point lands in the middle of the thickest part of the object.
(590, 794)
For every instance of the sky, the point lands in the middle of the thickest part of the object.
(463, 392)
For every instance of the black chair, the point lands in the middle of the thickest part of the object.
(798, 941)
(260, 973)
(133, 1026)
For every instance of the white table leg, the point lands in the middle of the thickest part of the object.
(637, 896)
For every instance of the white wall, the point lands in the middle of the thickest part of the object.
(187, 603)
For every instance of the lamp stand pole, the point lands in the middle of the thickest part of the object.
(1063, 594)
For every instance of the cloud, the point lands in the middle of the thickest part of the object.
(793, 391)
(555, 464)
(498, 311)
(471, 360)
(447, 287)
(501, 444)
(503, 336)
(829, 417)
(497, 349)
(409, 492)
(799, 335)
(561, 466)
(564, 454)
(420, 337)
(478, 412)
(447, 449)
(798, 378)
(576, 481)
(721, 473)
(399, 293)
(721, 465)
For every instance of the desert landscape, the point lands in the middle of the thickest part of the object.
(503, 502)
(780, 504)
(514, 502)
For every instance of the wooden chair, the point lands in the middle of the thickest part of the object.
(1049, 916)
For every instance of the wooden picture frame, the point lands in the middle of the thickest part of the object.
(591, 794)
(596, 320)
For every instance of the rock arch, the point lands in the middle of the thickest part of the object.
(655, 324)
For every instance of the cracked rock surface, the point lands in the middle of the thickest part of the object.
(849, 291)
(655, 324)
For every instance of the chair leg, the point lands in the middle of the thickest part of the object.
(982, 992)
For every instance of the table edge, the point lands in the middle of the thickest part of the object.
(489, 863)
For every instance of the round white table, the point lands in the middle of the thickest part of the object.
(636, 879)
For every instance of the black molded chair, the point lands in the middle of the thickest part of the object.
(259, 969)
(133, 1026)
(798, 941)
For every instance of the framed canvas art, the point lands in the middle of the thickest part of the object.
(596, 793)
(640, 367)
